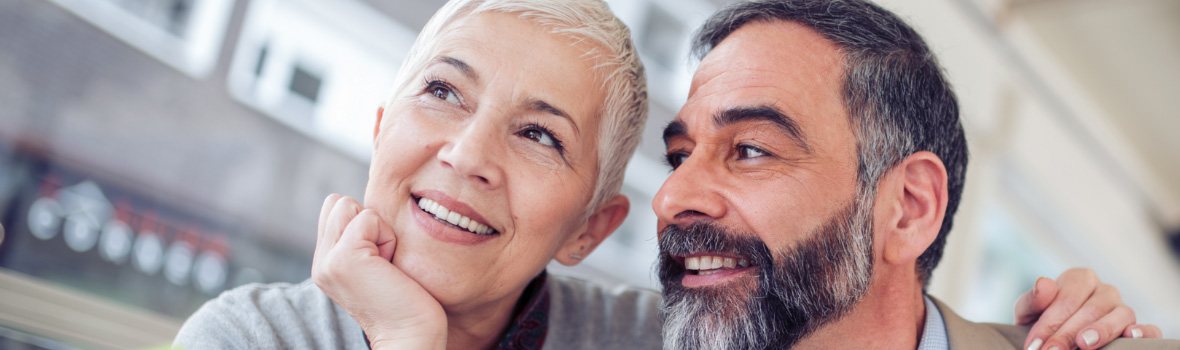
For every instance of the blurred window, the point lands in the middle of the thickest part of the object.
(170, 15)
(321, 68)
(305, 83)
(1012, 259)
(663, 37)
(184, 34)
(663, 31)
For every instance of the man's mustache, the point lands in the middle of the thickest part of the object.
(678, 241)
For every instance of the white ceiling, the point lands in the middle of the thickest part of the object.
(1125, 56)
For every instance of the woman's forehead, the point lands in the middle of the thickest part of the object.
(506, 50)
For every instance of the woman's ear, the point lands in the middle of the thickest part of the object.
(601, 224)
(377, 125)
(911, 203)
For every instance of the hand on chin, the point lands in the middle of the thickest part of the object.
(352, 265)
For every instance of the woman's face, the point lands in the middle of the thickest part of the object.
(485, 164)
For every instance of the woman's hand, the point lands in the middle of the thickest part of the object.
(1077, 309)
(353, 266)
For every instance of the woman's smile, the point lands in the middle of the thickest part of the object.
(453, 217)
(449, 220)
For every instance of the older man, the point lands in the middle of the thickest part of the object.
(818, 163)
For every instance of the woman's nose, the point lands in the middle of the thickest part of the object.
(475, 155)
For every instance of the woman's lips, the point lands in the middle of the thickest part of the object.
(443, 213)
(452, 211)
(453, 223)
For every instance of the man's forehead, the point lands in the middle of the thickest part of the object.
(768, 63)
(774, 47)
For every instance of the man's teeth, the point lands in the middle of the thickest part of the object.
(708, 263)
(442, 213)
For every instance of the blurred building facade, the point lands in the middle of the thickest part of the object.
(144, 162)
(156, 152)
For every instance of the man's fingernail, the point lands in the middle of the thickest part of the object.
(1054, 348)
(1136, 333)
(1090, 337)
(1036, 344)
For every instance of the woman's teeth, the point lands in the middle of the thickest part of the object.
(709, 264)
(442, 213)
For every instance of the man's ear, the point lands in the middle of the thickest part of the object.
(377, 125)
(910, 205)
(601, 224)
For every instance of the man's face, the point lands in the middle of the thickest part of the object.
(762, 233)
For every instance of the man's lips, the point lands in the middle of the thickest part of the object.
(705, 269)
(705, 264)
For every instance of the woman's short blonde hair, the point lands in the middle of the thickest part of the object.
(624, 112)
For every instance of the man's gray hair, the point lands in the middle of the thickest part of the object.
(624, 112)
(894, 91)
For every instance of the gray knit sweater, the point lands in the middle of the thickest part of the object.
(582, 315)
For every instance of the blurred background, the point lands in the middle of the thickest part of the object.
(154, 153)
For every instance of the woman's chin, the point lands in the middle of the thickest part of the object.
(448, 283)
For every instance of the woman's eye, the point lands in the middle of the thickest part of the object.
(443, 92)
(675, 159)
(747, 152)
(541, 136)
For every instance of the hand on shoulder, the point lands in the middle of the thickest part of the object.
(1077, 309)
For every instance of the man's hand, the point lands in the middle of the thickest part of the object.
(1077, 310)
(353, 266)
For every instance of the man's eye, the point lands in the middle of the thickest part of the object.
(747, 152)
(443, 92)
(542, 136)
(675, 159)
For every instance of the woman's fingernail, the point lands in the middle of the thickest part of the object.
(1054, 348)
(1036, 344)
(1090, 337)
(1136, 333)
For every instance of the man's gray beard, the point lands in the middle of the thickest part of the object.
(808, 286)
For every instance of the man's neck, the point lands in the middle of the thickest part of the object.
(890, 316)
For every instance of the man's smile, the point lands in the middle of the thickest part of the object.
(706, 269)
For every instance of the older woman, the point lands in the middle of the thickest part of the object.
(501, 149)
(488, 164)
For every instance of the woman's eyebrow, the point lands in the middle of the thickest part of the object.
(463, 67)
(539, 105)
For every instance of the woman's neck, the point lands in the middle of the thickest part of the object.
(480, 327)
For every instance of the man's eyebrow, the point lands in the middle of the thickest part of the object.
(539, 105)
(768, 113)
(460, 65)
(674, 129)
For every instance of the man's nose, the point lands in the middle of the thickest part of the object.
(475, 154)
(690, 194)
